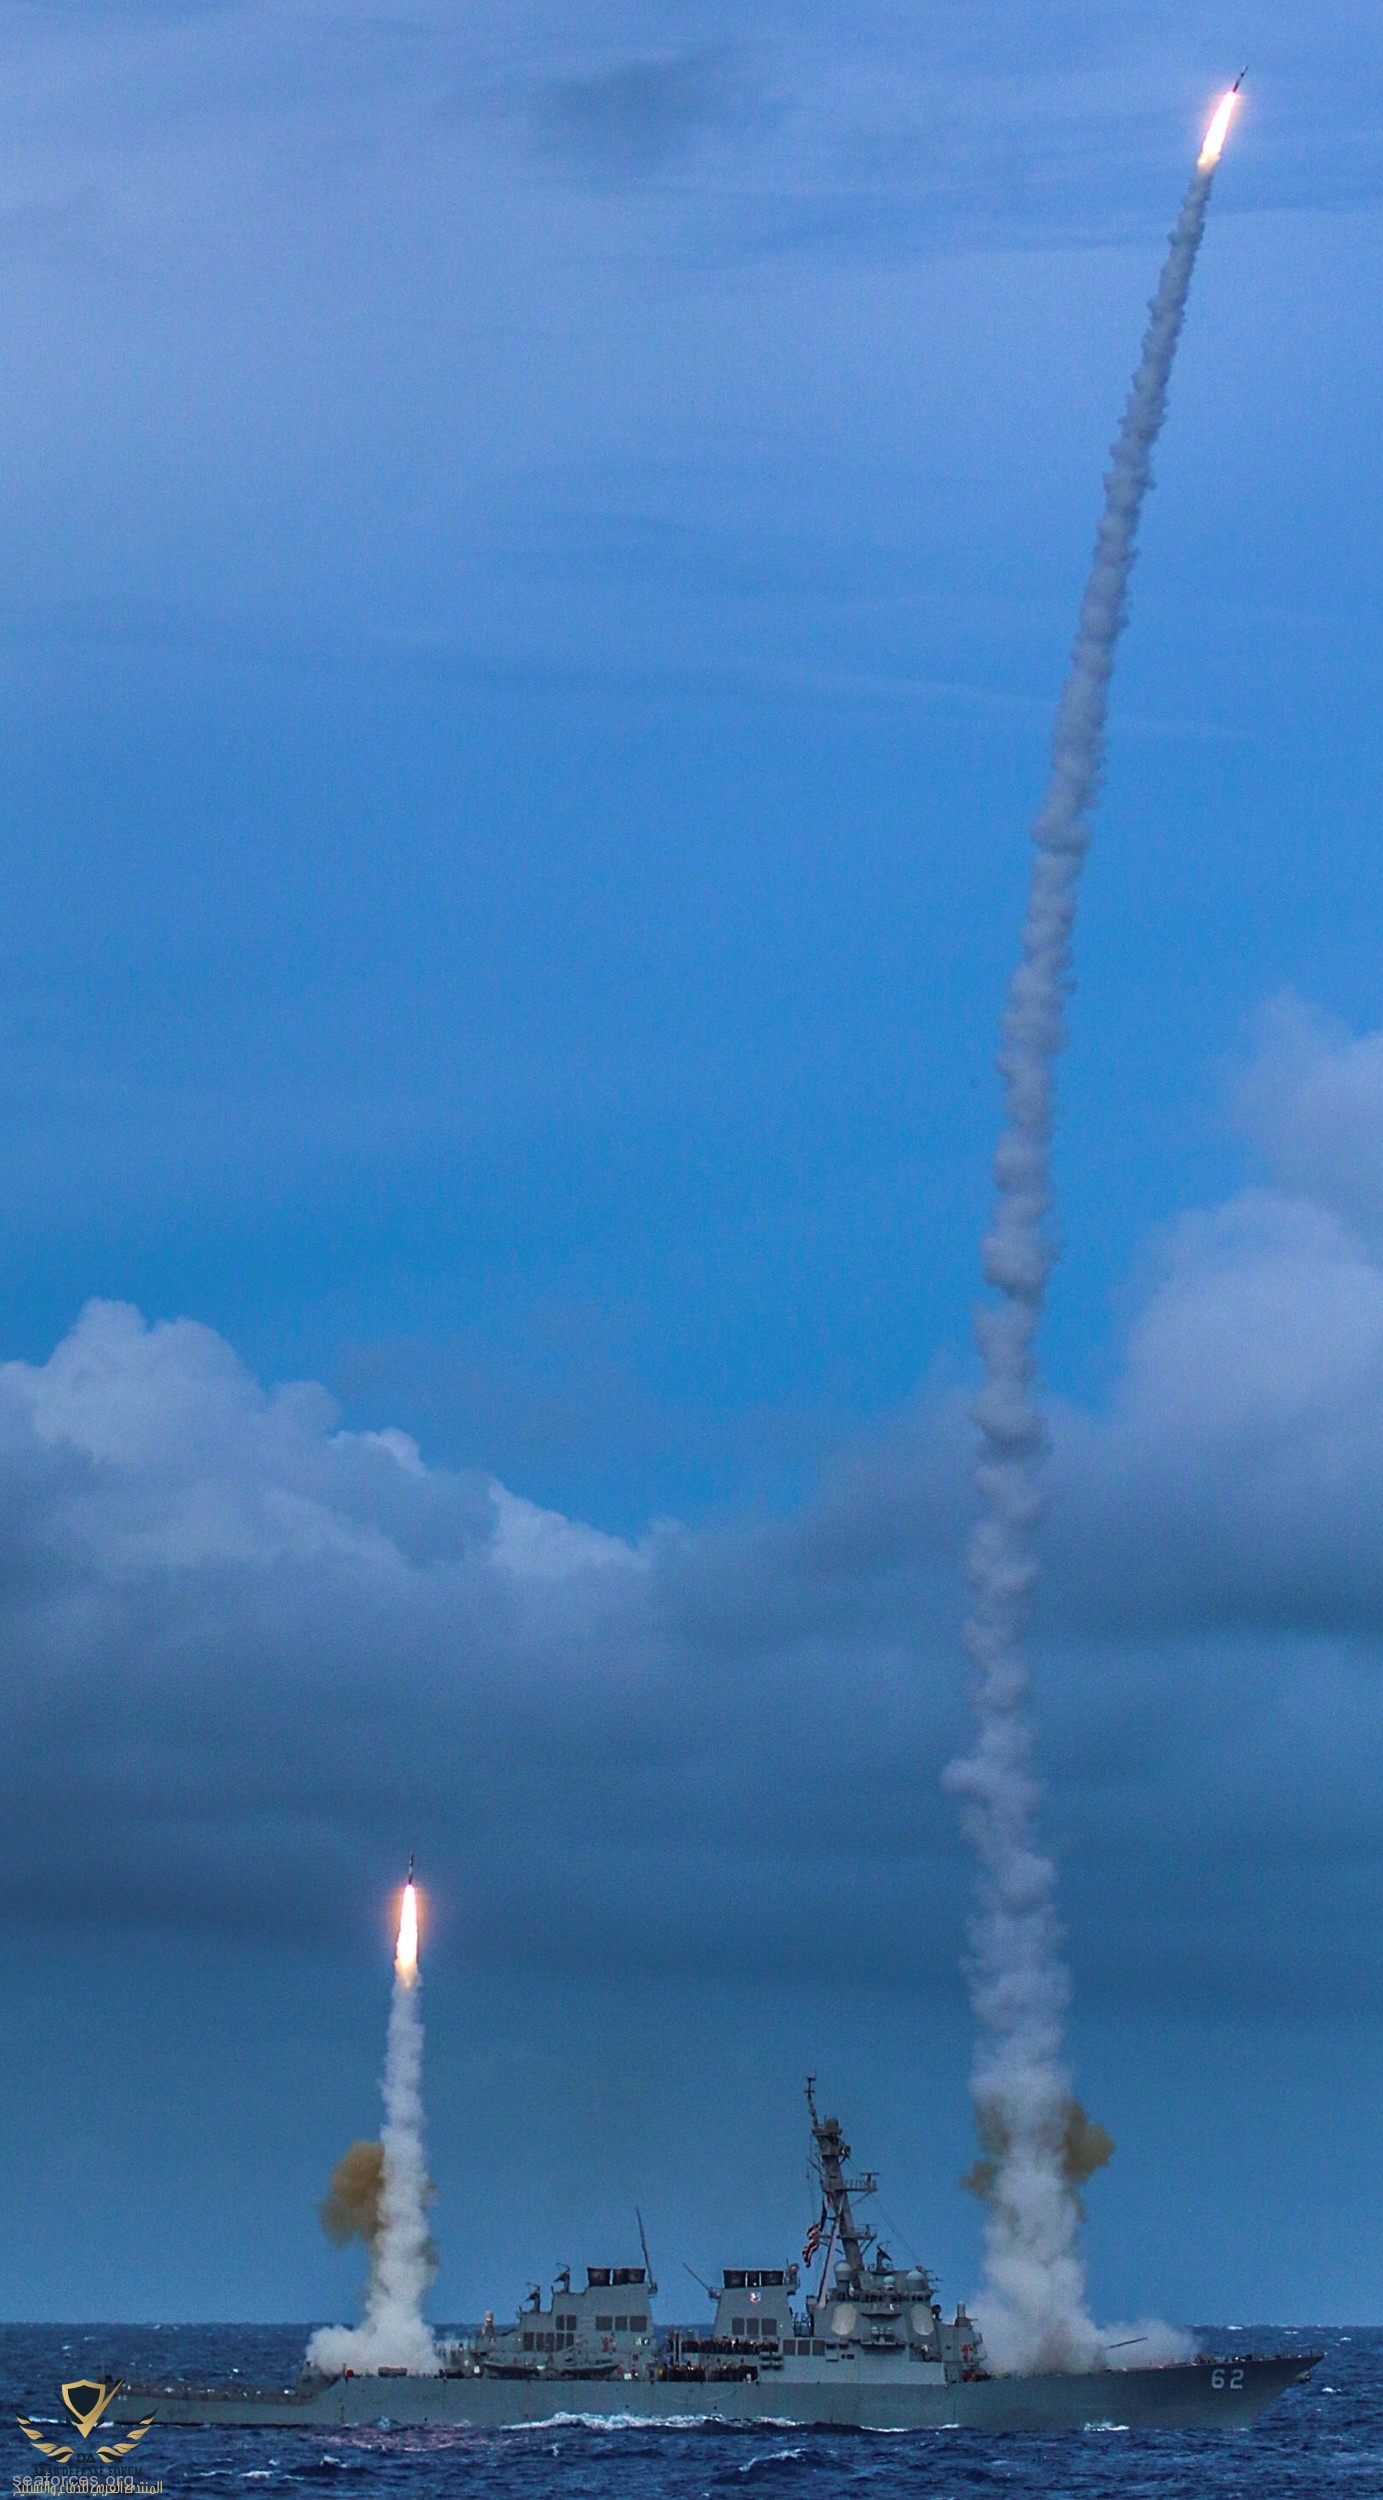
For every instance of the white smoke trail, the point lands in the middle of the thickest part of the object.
(392, 2334)
(1034, 2314)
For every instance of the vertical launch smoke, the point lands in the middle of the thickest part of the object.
(1034, 2314)
(392, 2334)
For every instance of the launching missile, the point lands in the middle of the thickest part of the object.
(1240, 79)
(406, 1949)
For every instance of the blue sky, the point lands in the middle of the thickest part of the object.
(537, 548)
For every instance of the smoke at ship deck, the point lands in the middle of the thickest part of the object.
(393, 2334)
(1034, 2315)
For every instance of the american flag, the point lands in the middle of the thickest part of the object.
(814, 2238)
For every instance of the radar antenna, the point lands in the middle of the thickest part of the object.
(832, 2154)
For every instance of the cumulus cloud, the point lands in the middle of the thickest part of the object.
(248, 1652)
(249, 1656)
(1311, 1100)
(1238, 1479)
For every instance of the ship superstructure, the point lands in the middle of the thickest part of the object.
(602, 2330)
(864, 2319)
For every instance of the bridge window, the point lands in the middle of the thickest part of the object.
(637, 2326)
(604, 2326)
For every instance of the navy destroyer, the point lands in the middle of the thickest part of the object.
(866, 2345)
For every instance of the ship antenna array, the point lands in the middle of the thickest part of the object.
(906, 2241)
(643, 2243)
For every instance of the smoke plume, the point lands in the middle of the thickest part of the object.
(350, 2208)
(1085, 2148)
(1034, 2313)
(392, 2333)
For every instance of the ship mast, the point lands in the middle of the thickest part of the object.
(832, 2154)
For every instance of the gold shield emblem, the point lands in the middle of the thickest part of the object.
(86, 2399)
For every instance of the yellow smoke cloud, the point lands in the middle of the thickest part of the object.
(1085, 2148)
(350, 2208)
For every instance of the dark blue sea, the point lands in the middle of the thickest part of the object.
(1325, 2439)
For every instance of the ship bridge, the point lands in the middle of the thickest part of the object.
(754, 2305)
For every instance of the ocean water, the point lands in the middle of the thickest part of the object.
(1324, 2439)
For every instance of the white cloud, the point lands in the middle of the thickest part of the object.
(1238, 1476)
(543, 1545)
(1311, 1099)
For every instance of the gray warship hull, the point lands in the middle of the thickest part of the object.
(1205, 2394)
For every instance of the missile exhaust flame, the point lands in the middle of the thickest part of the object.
(1212, 144)
(406, 1949)
(1033, 2314)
